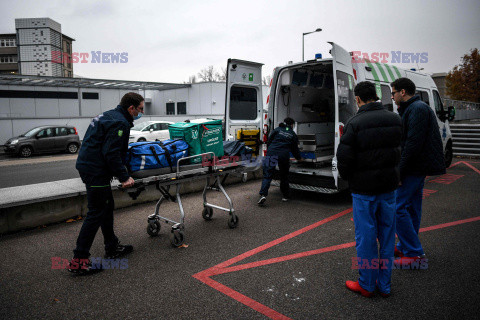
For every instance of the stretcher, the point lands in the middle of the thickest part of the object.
(211, 169)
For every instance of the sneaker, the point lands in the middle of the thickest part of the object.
(398, 253)
(355, 287)
(83, 267)
(262, 200)
(119, 251)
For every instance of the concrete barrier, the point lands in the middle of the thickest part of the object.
(45, 203)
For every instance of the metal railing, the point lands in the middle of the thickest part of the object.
(462, 105)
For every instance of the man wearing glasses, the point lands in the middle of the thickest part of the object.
(422, 155)
(101, 158)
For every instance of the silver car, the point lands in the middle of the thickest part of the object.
(44, 139)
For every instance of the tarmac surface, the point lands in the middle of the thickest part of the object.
(286, 260)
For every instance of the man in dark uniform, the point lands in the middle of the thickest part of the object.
(368, 157)
(422, 155)
(281, 142)
(101, 158)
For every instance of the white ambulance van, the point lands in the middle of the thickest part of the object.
(318, 95)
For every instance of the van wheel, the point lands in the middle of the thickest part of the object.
(72, 148)
(25, 152)
(142, 140)
(448, 154)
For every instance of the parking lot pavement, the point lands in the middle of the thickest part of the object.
(287, 260)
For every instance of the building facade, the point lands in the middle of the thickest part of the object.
(37, 48)
(29, 101)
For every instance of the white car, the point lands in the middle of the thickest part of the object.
(150, 131)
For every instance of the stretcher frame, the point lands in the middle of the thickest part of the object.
(213, 172)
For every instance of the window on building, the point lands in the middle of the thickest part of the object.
(90, 95)
(41, 33)
(170, 108)
(181, 108)
(387, 97)
(243, 103)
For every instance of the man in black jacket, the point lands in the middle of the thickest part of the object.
(368, 155)
(422, 155)
(101, 158)
(281, 142)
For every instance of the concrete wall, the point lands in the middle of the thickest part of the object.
(30, 215)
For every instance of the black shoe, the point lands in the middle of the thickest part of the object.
(119, 251)
(83, 267)
(262, 200)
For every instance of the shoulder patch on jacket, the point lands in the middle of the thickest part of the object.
(120, 133)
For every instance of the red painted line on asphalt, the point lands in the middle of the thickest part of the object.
(204, 276)
(284, 258)
(447, 178)
(428, 192)
(280, 240)
(471, 167)
(449, 224)
(249, 302)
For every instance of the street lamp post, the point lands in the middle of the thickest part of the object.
(303, 41)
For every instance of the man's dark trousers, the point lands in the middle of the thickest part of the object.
(269, 164)
(100, 215)
(409, 214)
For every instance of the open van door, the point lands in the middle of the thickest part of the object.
(345, 106)
(244, 103)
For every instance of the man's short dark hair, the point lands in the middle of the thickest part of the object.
(366, 91)
(404, 84)
(289, 121)
(130, 99)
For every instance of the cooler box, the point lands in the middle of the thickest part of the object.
(201, 137)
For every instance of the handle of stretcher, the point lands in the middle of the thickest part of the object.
(195, 156)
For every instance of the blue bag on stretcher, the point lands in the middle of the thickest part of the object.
(155, 154)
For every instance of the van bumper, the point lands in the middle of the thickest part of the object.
(315, 183)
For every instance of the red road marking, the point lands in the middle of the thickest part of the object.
(428, 192)
(224, 267)
(447, 178)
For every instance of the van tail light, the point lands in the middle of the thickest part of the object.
(265, 133)
(340, 130)
(355, 74)
(76, 132)
(268, 98)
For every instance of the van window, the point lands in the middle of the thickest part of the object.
(423, 96)
(346, 101)
(171, 108)
(243, 103)
(71, 131)
(387, 97)
(438, 102)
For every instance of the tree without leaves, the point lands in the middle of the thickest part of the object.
(463, 82)
(222, 75)
(207, 74)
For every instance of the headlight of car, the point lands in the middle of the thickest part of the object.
(14, 141)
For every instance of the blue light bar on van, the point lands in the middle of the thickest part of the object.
(318, 56)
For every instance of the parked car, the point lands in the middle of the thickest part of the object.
(150, 131)
(44, 139)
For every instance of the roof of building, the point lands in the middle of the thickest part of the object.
(24, 80)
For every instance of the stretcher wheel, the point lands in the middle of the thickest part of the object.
(177, 238)
(233, 221)
(244, 178)
(153, 228)
(207, 213)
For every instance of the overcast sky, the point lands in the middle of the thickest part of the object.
(168, 41)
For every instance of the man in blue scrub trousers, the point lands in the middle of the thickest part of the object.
(281, 142)
(422, 155)
(368, 157)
